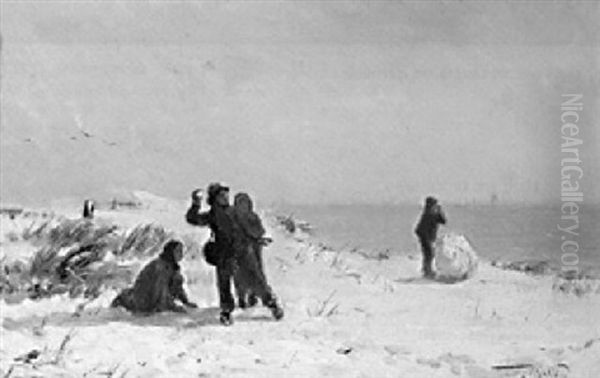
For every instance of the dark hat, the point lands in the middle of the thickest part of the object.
(213, 191)
(430, 201)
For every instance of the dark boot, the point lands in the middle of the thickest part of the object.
(428, 273)
(252, 300)
(225, 318)
(276, 310)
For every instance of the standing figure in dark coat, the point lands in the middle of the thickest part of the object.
(229, 244)
(88, 209)
(251, 269)
(426, 231)
(220, 221)
(158, 285)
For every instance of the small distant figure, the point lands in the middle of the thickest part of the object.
(88, 209)
(158, 285)
(114, 205)
(426, 231)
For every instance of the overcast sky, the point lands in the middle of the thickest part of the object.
(299, 102)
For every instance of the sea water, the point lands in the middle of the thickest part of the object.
(500, 232)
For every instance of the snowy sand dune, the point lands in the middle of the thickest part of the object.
(345, 316)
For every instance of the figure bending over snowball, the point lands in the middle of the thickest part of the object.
(158, 285)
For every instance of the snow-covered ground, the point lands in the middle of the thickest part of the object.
(346, 316)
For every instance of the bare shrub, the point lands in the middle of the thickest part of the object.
(580, 285)
(12, 236)
(324, 308)
(144, 241)
(72, 257)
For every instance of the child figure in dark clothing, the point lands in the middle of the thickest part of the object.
(426, 231)
(158, 285)
(252, 239)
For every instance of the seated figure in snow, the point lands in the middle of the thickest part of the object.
(158, 285)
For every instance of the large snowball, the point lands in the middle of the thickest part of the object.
(455, 259)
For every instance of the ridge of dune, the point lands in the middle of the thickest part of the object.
(345, 315)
